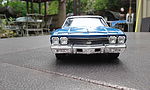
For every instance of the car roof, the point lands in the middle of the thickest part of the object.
(86, 16)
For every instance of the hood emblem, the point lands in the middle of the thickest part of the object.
(88, 42)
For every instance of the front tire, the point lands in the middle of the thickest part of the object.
(60, 56)
(113, 55)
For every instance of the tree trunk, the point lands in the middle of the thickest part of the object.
(62, 13)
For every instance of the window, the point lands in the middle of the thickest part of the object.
(85, 22)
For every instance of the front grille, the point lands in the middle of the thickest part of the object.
(88, 41)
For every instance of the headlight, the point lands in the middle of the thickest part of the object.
(55, 40)
(63, 40)
(121, 39)
(112, 39)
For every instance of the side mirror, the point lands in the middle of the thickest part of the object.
(109, 23)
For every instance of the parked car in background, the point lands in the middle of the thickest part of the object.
(87, 35)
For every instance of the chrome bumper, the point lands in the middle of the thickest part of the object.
(88, 49)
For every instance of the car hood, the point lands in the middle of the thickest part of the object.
(88, 31)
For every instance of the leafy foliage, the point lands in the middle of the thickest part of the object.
(53, 7)
(1, 2)
(19, 7)
(114, 4)
(69, 6)
(4, 33)
(101, 4)
(7, 34)
(94, 5)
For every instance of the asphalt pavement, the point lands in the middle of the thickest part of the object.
(27, 63)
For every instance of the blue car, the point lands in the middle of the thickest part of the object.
(87, 35)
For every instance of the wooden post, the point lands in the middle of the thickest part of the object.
(79, 6)
(45, 5)
(75, 7)
(32, 6)
(27, 6)
(39, 7)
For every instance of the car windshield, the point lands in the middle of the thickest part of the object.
(84, 22)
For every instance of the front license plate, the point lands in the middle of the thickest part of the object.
(88, 51)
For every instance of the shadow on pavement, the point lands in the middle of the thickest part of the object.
(88, 59)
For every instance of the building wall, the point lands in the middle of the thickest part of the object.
(144, 11)
(146, 6)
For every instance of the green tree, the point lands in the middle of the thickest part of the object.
(88, 5)
(83, 7)
(69, 5)
(1, 2)
(19, 7)
(95, 5)
(53, 8)
(114, 5)
(101, 4)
